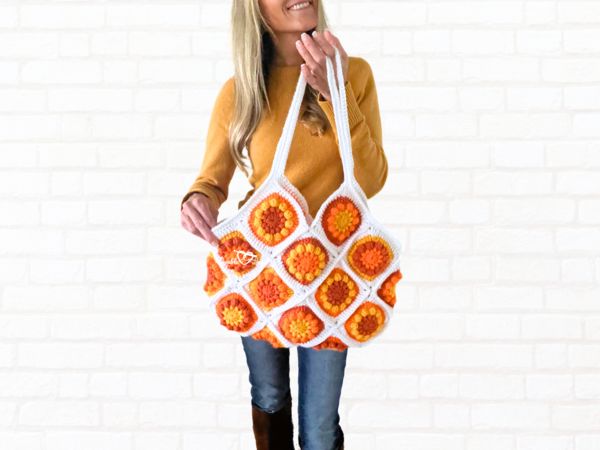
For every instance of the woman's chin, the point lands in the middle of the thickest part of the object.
(306, 24)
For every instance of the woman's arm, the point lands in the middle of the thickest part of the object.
(370, 163)
(218, 166)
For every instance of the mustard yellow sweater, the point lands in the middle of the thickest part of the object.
(314, 165)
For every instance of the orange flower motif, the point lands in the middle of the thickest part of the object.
(235, 313)
(365, 322)
(266, 334)
(336, 292)
(305, 259)
(331, 343)
(340, 219)
(237, 253)
(268, 289)
(387, 291)
(300, 324)
(369, 256)
(215, 278)
(273, 219)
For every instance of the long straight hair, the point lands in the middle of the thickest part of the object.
(253, 49)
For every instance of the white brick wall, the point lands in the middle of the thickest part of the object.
(491, 117)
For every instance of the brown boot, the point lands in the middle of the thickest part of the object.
(341, 447)
(273, 431)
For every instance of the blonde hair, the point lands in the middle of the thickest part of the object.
(253, 50)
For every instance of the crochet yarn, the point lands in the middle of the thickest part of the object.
(289, 279)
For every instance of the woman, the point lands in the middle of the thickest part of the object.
(273, 41)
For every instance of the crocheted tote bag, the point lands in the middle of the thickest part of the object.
(292, 280)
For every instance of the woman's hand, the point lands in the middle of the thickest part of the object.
(313, 50)
(198, 216)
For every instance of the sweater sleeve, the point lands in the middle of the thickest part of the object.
(370, 162)
(217, 166)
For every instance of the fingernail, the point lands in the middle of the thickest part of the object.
(314, 33)
(304, 35)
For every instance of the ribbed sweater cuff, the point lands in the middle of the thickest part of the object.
(355, 115)
(203, 190)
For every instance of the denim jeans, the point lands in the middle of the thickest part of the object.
(320, 378)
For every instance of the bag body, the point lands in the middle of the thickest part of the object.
(280, 275)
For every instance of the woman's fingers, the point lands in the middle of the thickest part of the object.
(202, 227)
(302, 47)
(314, 49)
(202, 203)
(328, 50)
(326, 46)
(335, 42)
(316, 56)
(315, 70)
(314, 81)
(199, 217)
(187, 223)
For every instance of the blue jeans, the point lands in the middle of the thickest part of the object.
(320, 378)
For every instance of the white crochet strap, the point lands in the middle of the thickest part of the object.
(340, 112)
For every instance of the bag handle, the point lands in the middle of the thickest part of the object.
(340, 112)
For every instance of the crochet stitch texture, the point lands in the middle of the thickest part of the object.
(282, 276)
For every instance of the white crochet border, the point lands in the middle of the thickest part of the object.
(308, 227)
(303, 294)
